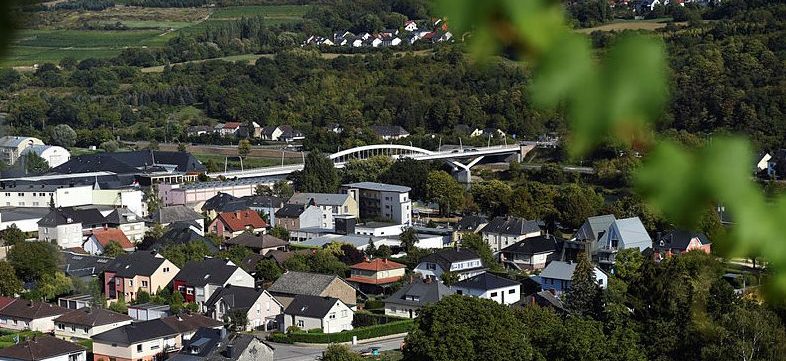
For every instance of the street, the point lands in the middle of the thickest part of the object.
(310, 353)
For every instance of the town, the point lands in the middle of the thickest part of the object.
(404, 180)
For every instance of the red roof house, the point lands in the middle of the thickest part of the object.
(231, 224)
(374, 275)
(101, 238)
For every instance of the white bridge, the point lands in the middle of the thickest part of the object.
(395, 151)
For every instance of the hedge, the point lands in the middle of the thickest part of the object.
(365, 319)
(362, 333)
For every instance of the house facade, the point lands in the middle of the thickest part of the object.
(260, 307)
(292, 284)
(530, 254)
(127, 274)
(413, 296)
(557, 276)
(30, 315)
(678, 242)
(43, 348)
(374, 276)
(86, 322)
(327, 314)
(11, 147)
(197, 280)
(491, 287)
(466, 263)
(331, 205)
(293, 217)
(231, 224)
(381, 201)
(101, 238)
(502, 232)
(147, 341)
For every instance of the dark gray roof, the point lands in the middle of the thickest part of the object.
(542, 299)
(255, 242)
(136, 332)
(302, 283)
(470, 223)
(181, 233)
(445, 257)
(210, 344)
(420, 293)
(486, 281)
(190, 322)
(214, 271)
(137, 263)
(320, 199)
(122, 216)
(129, 162)
(170, 214)
(511, 226)
(680, 240)
(380, 187)
(221, 201)
(559, 270)
(89, 217)
(310, 306)
(595, 227)
(534, 245)
(264, 201)
(290, 210)
(40, 347)
(235, 297)
(13, 214)
(87, 316)
(31, 310)
(83, 265)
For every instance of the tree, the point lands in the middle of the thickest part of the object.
(627, 263)
(467, 328)
(279, 232)
(176, 303)
(367, 170)
(181, 147)
(323, 261)
(236, 254)
(410, 173)
(722, 299)
(33, 260)
(10, 285)
(244, 148)
(110, 146)
(383, 251)
(318, 175)
(583, 298)
(262, 190)
(119, 305)
(268, 270)
(180, 254)
(449, 278)
(298, 262)
(408, 238)
(492, 197)
(339, 352)
(12, 235)
(236, 320)
(53, 284)
(153, 145)
(283, 189)
(150, 197)
(142, 296)
(445, 191)
(113, 249)
(350, 255)
(371, 249)
(750, 332)
(63, 135)
(34, 164)
(575, 204)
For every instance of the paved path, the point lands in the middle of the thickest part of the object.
(310, 353)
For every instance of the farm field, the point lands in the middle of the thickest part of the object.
(651, 25)
(65, 33)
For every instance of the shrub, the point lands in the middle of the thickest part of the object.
(373, 304)
(278, 337)
(362, 333)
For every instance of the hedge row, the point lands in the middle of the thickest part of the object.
(362, 333)
(366, 318)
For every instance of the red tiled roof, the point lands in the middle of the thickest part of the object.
(373, 281)
(5, 301)
(238, 220)
(377, 264)
(107, 235)
(231, 125)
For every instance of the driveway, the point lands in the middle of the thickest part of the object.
(310, 353)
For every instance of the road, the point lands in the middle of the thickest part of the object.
(286, 352)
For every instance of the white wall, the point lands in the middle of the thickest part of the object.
(505, 296)
(66, 235)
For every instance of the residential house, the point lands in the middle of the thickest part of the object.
(381, 201)
(53, 155)
(328, 314)
(543, 299)
(187, 324)
(22, 314)
(217, 345)
(557, 277)
(147, 340)
(594, 228)
(86, 322)
(259, 307)
(132, 225)
(182, 233)
(486, 132)
(492, 287)
(75, 302)
(412, 297)
(622, 234)
(282, 133)
(146, 271)
(410, 25)
(389, 132)
(292, 284)
(230, 129)
(43, 348)
(197, 130)
(678, 241)
(376, 275)
(101, 238)
(293, 217)
(252, 130)
(231, 224)
(469, 224)
(197, 280)
(178, 213)
(531, 253)
(330, 204)
(11, 147)
(465, 262)
(502, 232)
(83, 266)
(223, 202)
(65, 225)
(265, 205)
(261, 244)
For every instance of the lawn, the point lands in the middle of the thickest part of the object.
(651, 24)
(281, 13)
(84, 39)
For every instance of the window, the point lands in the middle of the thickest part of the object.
(300, 324)
(139, 348)
(493, 294)
(86, 330)
(343, 313)
(512, 291)
(459, 292)
(73, 357)
(166, 269)
(431, 266)
(131, 283)
(144, 284)
(60, 326)
(332, 316)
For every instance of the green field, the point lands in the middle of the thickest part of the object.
(146, 28)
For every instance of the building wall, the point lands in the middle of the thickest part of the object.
(149, 349)
(499, 241)
(45, 325)
(66, 236)
(399, 272)
(401, 310)
(163, 276)
(79, 356)
(63, 197)
(69, 331)
(134, 231)
(341, 290)
(393, 230)
(505, 296)
(338, 319)
(173, 194)
(265, 309)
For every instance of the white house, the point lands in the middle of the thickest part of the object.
(557, 276)
(463, 261)
(43, 348)
(86, 322)
(502, 232)
(316, 312)
(11, 147)
(259, 306)
(61, 229)
(486, 285)
(22, 314)
(198, 280)
(410, 25)
(381, 201)
(52, 154)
